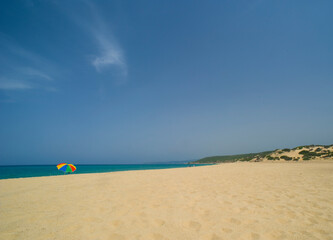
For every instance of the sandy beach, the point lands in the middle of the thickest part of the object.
(274, 200)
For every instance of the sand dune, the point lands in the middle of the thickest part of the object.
(292, 200)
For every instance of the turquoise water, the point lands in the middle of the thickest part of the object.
(51, 170)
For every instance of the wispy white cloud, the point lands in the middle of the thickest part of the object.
(34, 73)
(9, 84)
(22, 69)
(110, 55)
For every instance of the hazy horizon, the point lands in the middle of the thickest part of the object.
(109, 82)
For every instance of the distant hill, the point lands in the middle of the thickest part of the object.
(300, 153)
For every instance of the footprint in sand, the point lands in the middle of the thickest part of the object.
(157, 236)
(142, 214)
(206, 214)
(226, 230)
(276, 235)
(283, 220)
(194, 225)
(214, 237)
(117, 223)
(234, 221)
(115, 236)
(159, 222)
(312, 220)
(244, 209)
(322, 233)
(291, 214)
(307, 235)
(250, 236)
(227, 203)
(255, 236)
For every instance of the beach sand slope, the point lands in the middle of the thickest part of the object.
(227, 201)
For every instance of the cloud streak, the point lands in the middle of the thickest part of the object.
(9, 84)
(22, 69)
(34, 73)
(110, 55)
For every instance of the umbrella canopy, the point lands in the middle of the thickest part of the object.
(65, 167)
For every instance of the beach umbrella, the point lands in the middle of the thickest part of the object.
(66, 168)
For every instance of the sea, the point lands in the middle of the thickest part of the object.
(51, 170)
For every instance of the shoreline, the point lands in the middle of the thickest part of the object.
(186, 166)
(52, 171)
(242, 200)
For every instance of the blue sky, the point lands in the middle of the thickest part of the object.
(151, 81)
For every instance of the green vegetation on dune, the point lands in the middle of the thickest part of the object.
(232, 158)
(312, 145)
(286, 158)
(307, 153)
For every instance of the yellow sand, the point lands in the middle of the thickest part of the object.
(228, 201)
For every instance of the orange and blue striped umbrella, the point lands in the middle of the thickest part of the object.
(65, 167)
